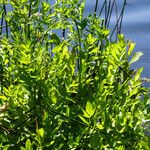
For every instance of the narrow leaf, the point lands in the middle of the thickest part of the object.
(131, 47)
(83, 119)
(3, 97)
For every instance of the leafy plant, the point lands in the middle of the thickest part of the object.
(73, 90)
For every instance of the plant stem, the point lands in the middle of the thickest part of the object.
(120, 18)
(96, 5)
(110, 12)
(1, 27)
(5, 14)
(29, 15)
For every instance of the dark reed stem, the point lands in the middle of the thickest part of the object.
(116, 19)
(63, 33)
(101, 10)
(105, 11)
(108, 12)
(112, 6)
(96, 6)
(120, 26)
(1, 27)
(29, 15)
(5, 14)
(121, 16)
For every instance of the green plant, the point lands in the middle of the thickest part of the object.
(69, 91)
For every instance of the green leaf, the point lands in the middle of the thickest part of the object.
(100, 126)
(57, 48)
(40, 132)
(6, 147)
(119, 148)
(83, 23)
(85, 114)
(144, 145)
(95, 50)
(3, 97)
(131, 47)
(67, 111)
(90, 39)
(22, 148)
(28, 144)
(95, 140)
(135, 57)
(45, 6)
(89, 108)
(138, 74)
(121, 130)
(122, 119)
(83, 119)
(51, 143)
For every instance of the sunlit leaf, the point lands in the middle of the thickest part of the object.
(135, 57)
(3, 97)
(22, 148)
(91, 39)
(86, 114)
(89, 108)
(28, 144)
(100, 126)
(40, 132)
(45, 6)
(131, 47)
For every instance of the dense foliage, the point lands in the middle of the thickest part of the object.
(63, 84)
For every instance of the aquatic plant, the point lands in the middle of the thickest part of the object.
(64, 84)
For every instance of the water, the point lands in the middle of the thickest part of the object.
(136, 26)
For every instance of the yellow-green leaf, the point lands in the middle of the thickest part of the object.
(89, 108)
(131, 47)
(99, 126)
(85, 114)
(135, 57)
(28, 144)
(3, 97)
(40, 132)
